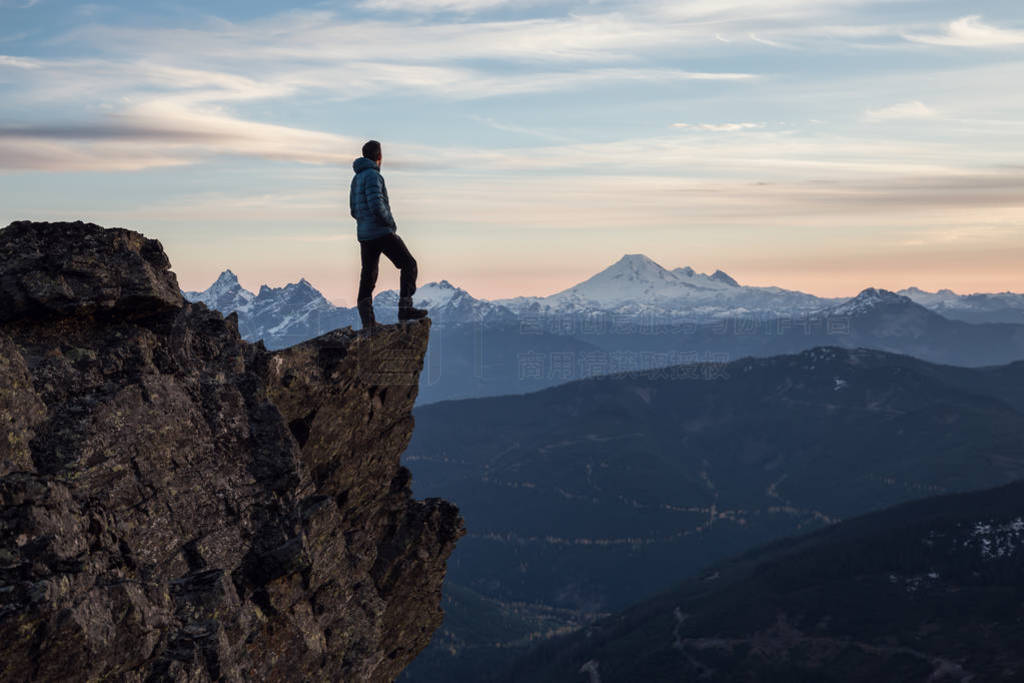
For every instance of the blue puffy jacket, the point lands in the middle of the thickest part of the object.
(368, 201)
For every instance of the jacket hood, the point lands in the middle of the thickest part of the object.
(362, 163)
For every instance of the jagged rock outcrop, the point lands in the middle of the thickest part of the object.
(178, 504)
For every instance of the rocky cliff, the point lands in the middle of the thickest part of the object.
(178, 504)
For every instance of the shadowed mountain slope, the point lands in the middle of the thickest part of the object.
(595, 494)
(926, 591)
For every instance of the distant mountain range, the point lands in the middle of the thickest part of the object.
(280, 316)
(1003, 307)
(926, 591)
(633, 286)
(634, 315)
(287, 315)
(594, 494)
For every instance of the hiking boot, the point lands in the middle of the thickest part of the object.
(369, 321)
(407, 312)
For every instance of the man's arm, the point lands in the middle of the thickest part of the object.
(377, 198)
(352, 198)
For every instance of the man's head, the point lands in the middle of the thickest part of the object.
(371, 150)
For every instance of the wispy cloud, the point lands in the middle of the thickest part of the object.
(156, 88)
(583, 202)
(34, 154)
(162, 132)
(770, 156)
(970, 31)
(187, 127)
(913, 109)
(429, 6)
(521, 130)
(992, 234)
(324, 37)
(175, 107)
(19, 62)
(760, 10)
(719, 127)
(765, 41)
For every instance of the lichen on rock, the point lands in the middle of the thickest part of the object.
(178, 504)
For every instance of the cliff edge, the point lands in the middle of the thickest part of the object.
(178, 504)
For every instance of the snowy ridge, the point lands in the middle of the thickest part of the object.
(446, 303)
(290, 305)
(869, 300)
(947, 298)
(992, 307)
(637, 284)
(225, 294)
(280, 316)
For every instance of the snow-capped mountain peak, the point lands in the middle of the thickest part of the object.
(874, 297)
(225, 294)
(447, 303)
(869, 300)
(636, 267)
(437, 294)
(636, 284)
(633, 278)
(301, 293)
(304, 286)
(226, 279)
(722, 276)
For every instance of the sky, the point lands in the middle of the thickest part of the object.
(819, 145)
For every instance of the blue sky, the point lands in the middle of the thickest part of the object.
(817, 145)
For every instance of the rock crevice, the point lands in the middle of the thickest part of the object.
(176, 503)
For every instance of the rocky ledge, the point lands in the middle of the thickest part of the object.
(178, 504)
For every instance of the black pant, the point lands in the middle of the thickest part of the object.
(394, 248)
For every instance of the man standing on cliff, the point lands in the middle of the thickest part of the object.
(376, 230)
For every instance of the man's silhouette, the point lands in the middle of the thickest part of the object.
(376, 230)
